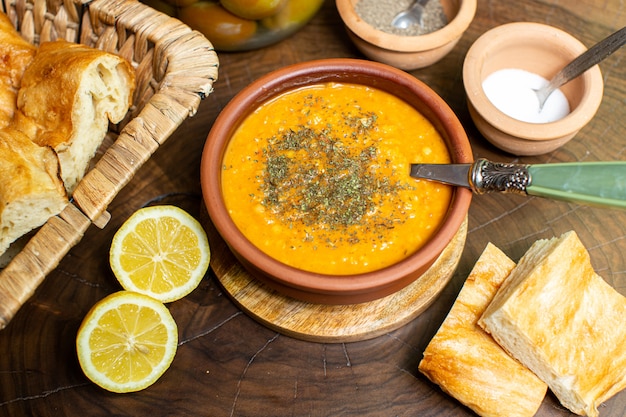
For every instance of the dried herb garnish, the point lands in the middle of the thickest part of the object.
(320, 179)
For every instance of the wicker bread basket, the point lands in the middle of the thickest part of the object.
(175, 70)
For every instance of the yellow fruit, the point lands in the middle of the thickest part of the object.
(253, 9)
(223, 29)
(294, 14)
(126, 342)
(160, 251)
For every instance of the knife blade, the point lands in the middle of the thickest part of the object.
(593, 183)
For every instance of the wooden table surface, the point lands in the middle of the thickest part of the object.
(229, 365)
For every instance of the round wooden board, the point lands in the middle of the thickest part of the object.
(332, 323)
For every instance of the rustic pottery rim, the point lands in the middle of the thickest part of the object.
(306, 73)
(453, 30)
(540, 132)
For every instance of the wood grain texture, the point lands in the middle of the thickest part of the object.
(228, 364)
(335, 323)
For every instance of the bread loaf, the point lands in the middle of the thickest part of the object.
(68, 96)
(31, 191)
(564, 322)
(15, 55)
(56, 103)
(468, 364)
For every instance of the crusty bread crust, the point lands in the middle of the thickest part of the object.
(468, 364)
(15, 55)
(564, 322)
(71, 92)
(34, 192)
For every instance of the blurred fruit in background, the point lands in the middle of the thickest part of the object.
(224, 29)
(294, 14)
(253, 9)
(239, 25)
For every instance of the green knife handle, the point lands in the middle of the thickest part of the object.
(594, 183)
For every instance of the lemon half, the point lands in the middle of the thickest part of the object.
(160, 251)
(126, 342)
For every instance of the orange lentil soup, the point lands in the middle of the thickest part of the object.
(318, 178)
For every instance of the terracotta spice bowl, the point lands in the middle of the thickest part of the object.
(543, 50)
(408, 52)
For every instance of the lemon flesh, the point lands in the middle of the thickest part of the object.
(160, 251)
(126, 342)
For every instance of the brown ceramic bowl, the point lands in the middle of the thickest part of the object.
(537, 48)
(315, 287)
(408, 52)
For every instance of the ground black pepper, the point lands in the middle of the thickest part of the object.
(380, 13)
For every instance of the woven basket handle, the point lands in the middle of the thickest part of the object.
(44, 251)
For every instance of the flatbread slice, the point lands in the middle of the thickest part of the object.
(564, 322)
(468, 364)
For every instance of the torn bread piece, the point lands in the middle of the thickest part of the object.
(468, 364)
(34, 192)
(564, 322)
(68, 96)
(15, 55)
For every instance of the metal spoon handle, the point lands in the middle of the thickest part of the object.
(414, 14)
(582, 63)
(591, 57)
(419, 4)
(595, 183)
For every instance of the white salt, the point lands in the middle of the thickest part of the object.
(511, 91)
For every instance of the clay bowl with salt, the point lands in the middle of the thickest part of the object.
(369, 27)
(245, 237)
(515, 54)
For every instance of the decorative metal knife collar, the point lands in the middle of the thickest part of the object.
(487, 176)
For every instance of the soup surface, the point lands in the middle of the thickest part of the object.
(318, 178)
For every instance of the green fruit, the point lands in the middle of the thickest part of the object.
(295, 13)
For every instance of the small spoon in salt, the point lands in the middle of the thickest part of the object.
(582, 63)
(410, 16)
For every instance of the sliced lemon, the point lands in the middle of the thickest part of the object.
(160, 251)
(126, 342)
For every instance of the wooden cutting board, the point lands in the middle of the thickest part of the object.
(330, 323)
